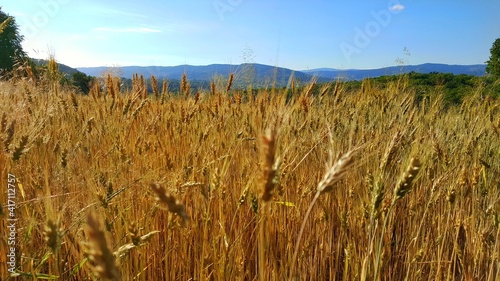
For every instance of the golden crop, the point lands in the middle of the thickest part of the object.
(215, 185)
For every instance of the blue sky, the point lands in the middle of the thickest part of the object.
(295, 34)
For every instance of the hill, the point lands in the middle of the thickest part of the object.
(62, 67)
(359, 74)
(259, 74)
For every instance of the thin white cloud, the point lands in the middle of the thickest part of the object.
(129, 29)
(102, 10)
(127, 14)
(397, 7)
(190, 27)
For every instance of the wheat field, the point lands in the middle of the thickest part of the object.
(286, 184)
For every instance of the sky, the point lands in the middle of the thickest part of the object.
(300, 35)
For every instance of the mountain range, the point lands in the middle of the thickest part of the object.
(359, 74)
(266, 75)
(258, 74)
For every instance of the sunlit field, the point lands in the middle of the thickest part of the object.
(314, 182)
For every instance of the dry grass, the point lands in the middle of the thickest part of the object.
(98, 154)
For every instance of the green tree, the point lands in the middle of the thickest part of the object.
(82, 81)
(493, 66)
(11, 50)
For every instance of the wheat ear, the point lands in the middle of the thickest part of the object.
(168, 201)
(229, 82)
(269, 166)
(99, 253)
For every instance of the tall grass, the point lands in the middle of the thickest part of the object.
(95, 172)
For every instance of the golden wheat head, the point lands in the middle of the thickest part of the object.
(336, 172)
(99, 253)
(168, 201)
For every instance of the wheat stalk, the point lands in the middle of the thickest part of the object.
(269, 166)
(164, 91)
(133, 233)
(212, 88)
(268, 183)
(137, 241)
(21, 148)
(10, 135)
(168, 201)
(406, 181)
(52, 235)
(401, 189)
(138, 109)
(336, 172)
(3, 122)
(154, 86)
(390, 151)
(64, 158)
(110, 86)
(332, 175)
(185, 85)
(74, 101)
(99, 252)
(229, 82)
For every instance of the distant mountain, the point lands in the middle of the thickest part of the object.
(261, 75)
(320, 69)
(358, 74)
